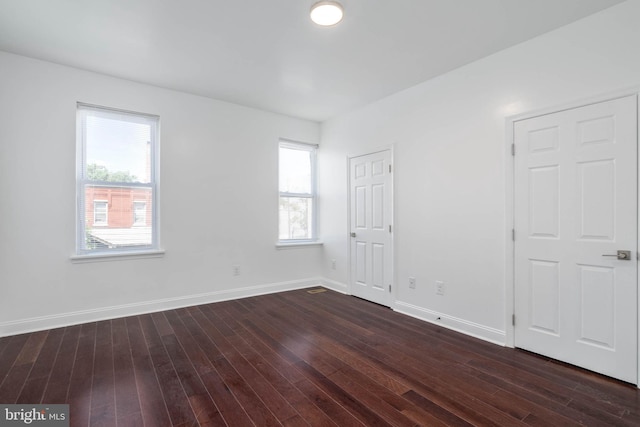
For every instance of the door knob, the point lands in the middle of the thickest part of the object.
(353, 234)
(621, 255)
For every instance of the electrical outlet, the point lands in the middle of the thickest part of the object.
(412, 282)
(236, 270)
(439, 288)
(333, 264)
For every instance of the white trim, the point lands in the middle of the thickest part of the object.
(82, 111)
(637, 93)
(287, 244)
(492, 335)
(312, 149)
(116, 256)
(335, 286)
(510, 201)
(83, 316)
(583, 102)
(374, 151)
(296, 195)
(100, 108)
(509, 271)
(292, 143)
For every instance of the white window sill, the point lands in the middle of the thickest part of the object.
(117, 256)
(287, 245)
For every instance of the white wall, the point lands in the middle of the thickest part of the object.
(450, 176)
(450, 162)
(218, 201)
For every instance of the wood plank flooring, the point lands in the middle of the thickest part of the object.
(298, 359)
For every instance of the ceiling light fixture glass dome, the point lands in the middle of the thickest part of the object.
(326, 13)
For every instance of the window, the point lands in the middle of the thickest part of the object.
(139, 213)
(117, 183)
(100, 212)
(297, 192)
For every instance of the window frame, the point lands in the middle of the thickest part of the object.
(82, 251)
(313, 195)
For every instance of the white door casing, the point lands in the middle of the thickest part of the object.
(575, 200)
(370, 222)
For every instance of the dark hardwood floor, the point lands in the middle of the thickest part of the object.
(297, 358)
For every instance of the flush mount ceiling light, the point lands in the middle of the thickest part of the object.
(326, 13)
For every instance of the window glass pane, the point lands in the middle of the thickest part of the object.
(117, 180)
(296, 218)
(120, 210)
(295, 171)
(118, 148)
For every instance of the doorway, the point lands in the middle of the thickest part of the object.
(370, 226)
(575, 236)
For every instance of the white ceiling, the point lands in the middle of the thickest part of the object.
(268, 54)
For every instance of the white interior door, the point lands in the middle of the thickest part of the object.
(370, 227)
(575, 207)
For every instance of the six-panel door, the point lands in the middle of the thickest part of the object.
(575, 207)
(370, 222)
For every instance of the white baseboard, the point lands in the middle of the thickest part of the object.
(334, 286)
(84, 316)
(476, 330)
(466, 327)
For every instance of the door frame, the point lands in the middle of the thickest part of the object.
(510, 282)
(350, 156)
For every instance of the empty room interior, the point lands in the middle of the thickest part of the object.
(236, 213)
